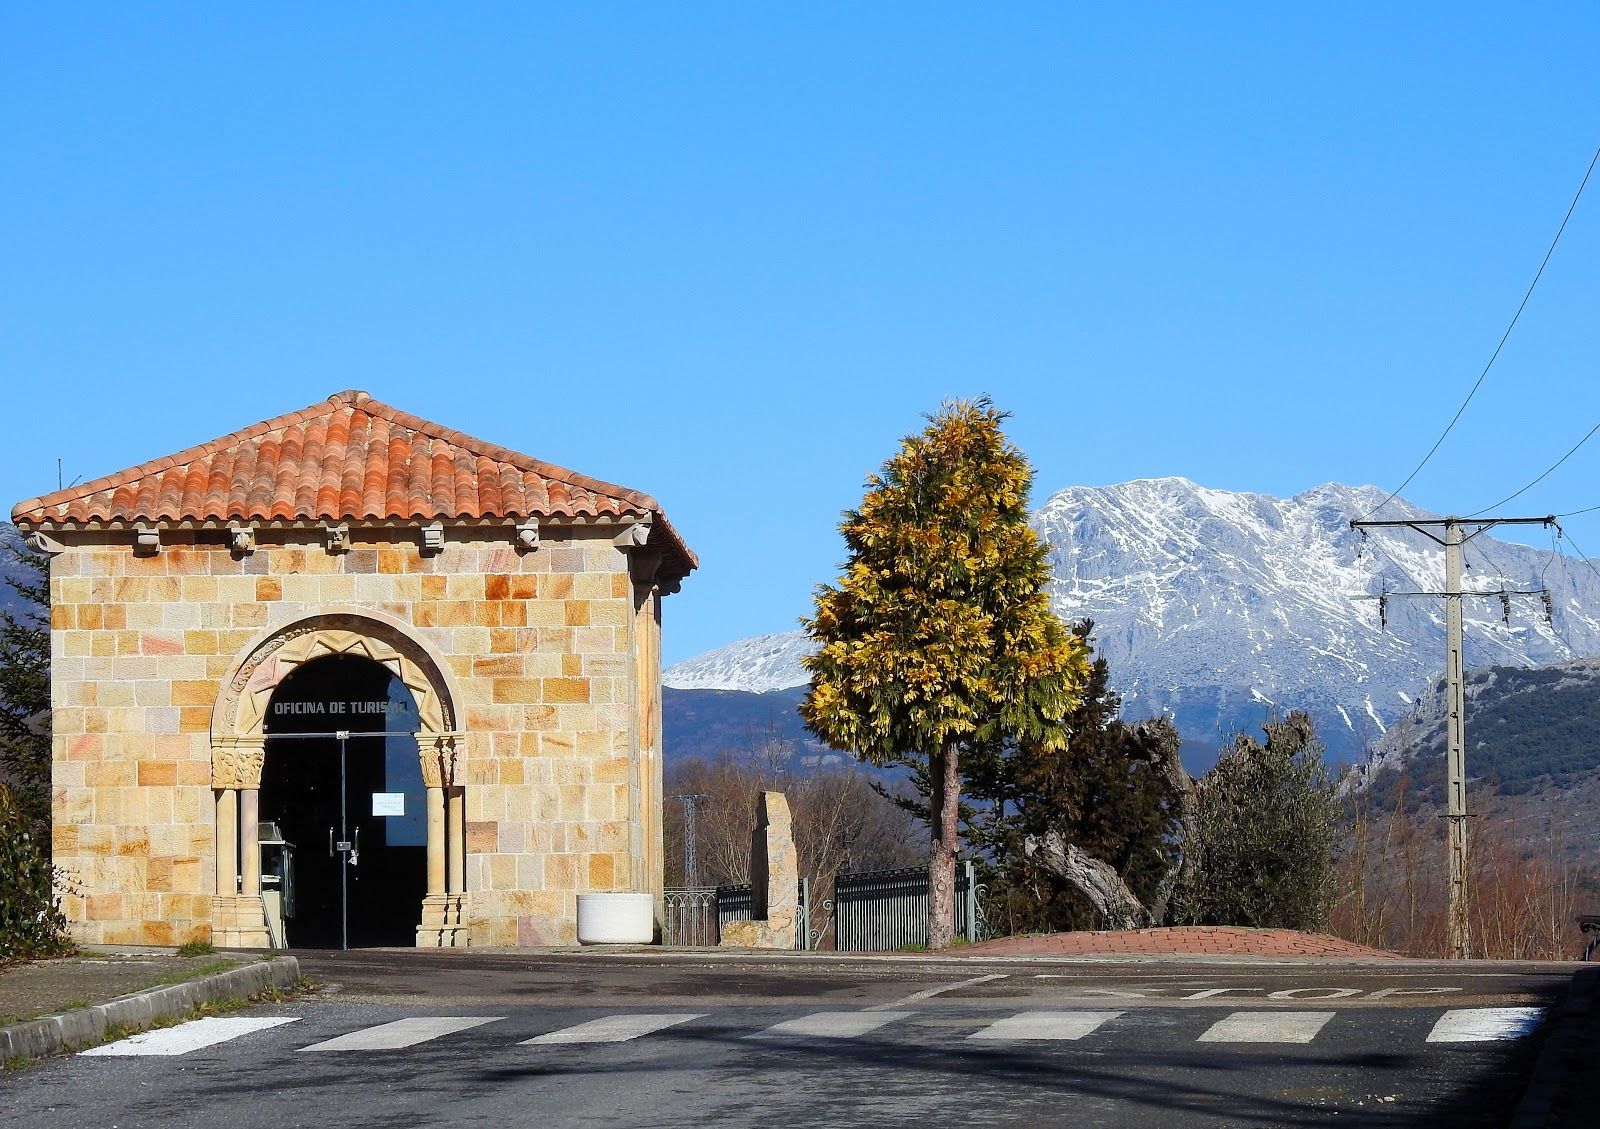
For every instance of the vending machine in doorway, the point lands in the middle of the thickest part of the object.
(277, 882)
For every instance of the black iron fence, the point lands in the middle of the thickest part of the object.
(877, 911)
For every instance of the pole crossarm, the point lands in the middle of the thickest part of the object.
(1490, 594)
(1425, 525)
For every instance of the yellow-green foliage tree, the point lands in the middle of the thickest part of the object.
(938, 637)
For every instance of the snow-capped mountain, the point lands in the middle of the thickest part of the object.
(756, 665)
(1216, 606)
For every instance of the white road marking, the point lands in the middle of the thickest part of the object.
(613, 1028)
(929, 993)
(191, 1036)
(403, 1033)
(1484, 1024)
(1267, 1027)
(830, 1025)
(1039, 1025)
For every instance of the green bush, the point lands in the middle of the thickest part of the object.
(31, 922)
(1266, 835)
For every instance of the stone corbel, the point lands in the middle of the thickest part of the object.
(440, 755)
(433, 539)
(528, 535)
(241, 539)
(237, 763)
(338, 537)
(635, 536)
(146, 540)
(44, 543)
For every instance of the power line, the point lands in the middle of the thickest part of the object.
(1575, 513)
(1570, 452)
(1504, 337)
(1567, 537)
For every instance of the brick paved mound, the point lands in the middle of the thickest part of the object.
(1207, 940)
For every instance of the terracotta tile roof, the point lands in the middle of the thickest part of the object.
(349, 458)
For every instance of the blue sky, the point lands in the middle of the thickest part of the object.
(730, 253)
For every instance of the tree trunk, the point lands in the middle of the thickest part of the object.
(946, 801)
(1178, 886)
(1117, 905)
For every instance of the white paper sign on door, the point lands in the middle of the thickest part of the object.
(388, 803)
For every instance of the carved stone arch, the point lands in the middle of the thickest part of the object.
(238, 718)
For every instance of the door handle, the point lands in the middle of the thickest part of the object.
(330, 842)
(355, 854)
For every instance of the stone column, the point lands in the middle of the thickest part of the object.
(443, 922)
(436, 841)
(227, 842)
(250, 840)
(456, 839)
(238, 918)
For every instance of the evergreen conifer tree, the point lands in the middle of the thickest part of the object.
(25, 682)
(1108, 792)
(938, 638)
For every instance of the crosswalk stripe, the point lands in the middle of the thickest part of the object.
(1484, 1024)
(1267, 1027)
(191, 1036)
(1041, 1025)
(403, 1033)
(613, 1029)
(830, 1025)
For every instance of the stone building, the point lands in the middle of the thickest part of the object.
(427, 665)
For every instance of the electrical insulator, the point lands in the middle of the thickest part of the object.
(1383, 612)
(1505, 607)
(1549, 606)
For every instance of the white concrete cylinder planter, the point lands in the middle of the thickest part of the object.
(616, 919)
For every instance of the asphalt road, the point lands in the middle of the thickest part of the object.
(405, 1039)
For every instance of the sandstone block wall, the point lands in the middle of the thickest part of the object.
(562, 778)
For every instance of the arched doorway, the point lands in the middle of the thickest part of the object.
(241, 727)
(342, 783)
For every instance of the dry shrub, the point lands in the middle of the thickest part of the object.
(1527, 880)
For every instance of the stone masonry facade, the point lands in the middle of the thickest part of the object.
(547, 656)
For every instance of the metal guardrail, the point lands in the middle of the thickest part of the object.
(878, 911)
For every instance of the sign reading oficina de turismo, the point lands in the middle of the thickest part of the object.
(337, 708)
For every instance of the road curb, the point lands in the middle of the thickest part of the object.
(1570, 1032)
(36, 1038)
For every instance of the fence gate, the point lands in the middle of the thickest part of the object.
(886, 910)
(689, 917)
(694, 915)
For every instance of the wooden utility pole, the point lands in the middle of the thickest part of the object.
(1455, 534)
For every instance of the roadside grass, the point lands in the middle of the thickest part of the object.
(197, 949)
(209, 968)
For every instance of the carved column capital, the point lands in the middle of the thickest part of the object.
(237, 763)
(442, 756)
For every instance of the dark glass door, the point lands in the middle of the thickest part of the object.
(342, 782)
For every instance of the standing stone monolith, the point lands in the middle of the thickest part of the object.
(774, 881)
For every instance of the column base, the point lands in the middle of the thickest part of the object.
(239, 921)
(444, 922)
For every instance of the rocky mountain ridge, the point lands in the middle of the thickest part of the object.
(1219, 607)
